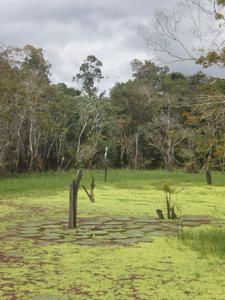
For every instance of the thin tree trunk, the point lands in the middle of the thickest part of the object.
(136, 150)
(79, 138)
(31, 146)
(106, 164)
(168, 205)
(18, 142)
(208, 174)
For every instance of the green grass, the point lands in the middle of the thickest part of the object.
(165, 269)
(207, 241)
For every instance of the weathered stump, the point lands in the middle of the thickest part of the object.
(173, 215)
(73, 196)
(160, 214)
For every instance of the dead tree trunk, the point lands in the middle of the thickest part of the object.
(208, 177)
(91, 193)
(73, 200)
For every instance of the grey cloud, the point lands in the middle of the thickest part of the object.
(68, 10)
(69, 30)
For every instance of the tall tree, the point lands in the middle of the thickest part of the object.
(89, 74)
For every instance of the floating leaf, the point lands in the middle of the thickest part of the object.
(51, 237)
(87, 242)
(135, 234)
(121, 219)
(99, 232)
(114, 236)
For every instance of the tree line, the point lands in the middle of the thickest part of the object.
(157, 119)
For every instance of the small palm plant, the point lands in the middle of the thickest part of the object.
(169, 191)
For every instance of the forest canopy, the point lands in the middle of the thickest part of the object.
(156, 119)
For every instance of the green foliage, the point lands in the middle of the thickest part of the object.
(90, 72)
(167, 187)
(221, 2)
(147, 70)
(157, 119)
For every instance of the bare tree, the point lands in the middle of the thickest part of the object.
(165, 134)
(189, 32)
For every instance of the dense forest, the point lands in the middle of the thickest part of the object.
(156, 119)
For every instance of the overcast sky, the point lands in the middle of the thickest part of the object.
(69, 30)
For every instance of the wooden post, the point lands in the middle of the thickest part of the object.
(73, 200)
(75, 194)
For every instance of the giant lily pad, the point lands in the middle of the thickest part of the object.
(99, 232)
(104, 230)
(135, 234)
(51, 237)
(115, 236)
(87, 242)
